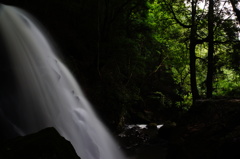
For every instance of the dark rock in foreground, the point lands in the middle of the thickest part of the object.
(46, 144)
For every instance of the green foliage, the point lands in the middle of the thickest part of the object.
(134, 55)
(141, 59)
(132, 60)
(228, 84)
(186, 103)
(162, 18)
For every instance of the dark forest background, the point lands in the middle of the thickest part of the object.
(143, 61)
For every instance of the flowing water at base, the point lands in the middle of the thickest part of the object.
(38, 91)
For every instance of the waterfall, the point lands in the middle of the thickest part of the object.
(38, 91)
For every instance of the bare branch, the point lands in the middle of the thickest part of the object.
(170, 8)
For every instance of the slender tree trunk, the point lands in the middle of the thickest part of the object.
(209, 82)
(237, 11)
(193, 43)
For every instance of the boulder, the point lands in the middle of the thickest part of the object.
(45, 144)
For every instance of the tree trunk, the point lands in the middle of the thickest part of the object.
(193, 43)
(209, 82)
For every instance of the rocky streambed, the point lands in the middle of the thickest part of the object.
(210, 130)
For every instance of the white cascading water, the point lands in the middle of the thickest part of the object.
(45, 93)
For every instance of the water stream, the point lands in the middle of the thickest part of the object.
(38, 91)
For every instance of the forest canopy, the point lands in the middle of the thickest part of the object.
(168, 53)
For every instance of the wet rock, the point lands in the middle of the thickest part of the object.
(45, 144)
(167, 130)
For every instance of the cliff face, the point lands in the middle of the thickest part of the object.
(45, 144)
